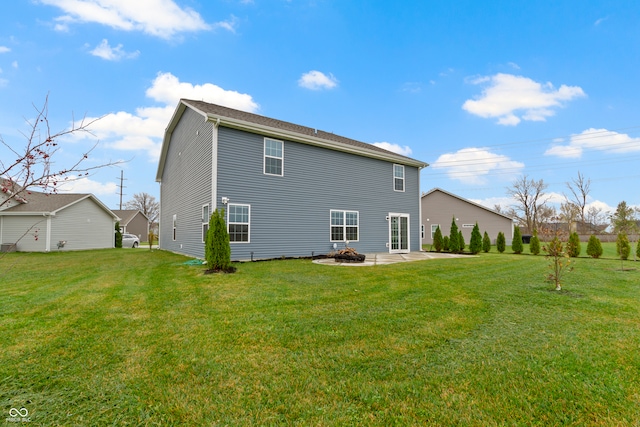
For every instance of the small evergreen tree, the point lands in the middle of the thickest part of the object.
(594, 247)
(501, 242)
(623, 247)
(638, 249)
(118, 235)
(461, 241)
(534, 243)
(438, 241)
(445, 243)
(475, 244)
(486, 242)
(516, 244)
(217, 248)
(573, 245)
(454, 237)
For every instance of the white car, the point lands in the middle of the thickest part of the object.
(130, 241)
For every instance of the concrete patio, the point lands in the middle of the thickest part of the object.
(387, 258)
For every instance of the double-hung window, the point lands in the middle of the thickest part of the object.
(345, 226)
(205, 222)
(434, 227)
(273, 157)
(398, 178)
(238, 221)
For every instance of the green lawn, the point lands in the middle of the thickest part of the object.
(136, 337)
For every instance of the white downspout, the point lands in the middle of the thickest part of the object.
(214, 166)
(47, 247)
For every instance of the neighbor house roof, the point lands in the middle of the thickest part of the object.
(37, 203)
(465, 200)
(126, 215)
(255, 123)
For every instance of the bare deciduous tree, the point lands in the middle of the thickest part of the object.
(145, 203)
(579, 188)
(530, 201)
(31, 166)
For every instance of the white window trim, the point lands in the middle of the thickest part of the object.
(344, 224)
(242, 223)
(205, 221)
(265, 156)
(394, 178)
(433, 230)
(174, 226)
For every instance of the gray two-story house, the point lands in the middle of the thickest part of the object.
(286, 190)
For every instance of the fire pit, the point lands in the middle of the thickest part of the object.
(349, 255)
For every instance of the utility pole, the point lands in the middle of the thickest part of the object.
(121, 186)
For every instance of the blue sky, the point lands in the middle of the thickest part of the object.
(485, 92)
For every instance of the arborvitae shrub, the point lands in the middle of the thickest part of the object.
(501, 242)
(623, 247)
(454, 237)
(438, 242)
(573, 245)
(475, 244)
(534, 243)
(638, 249)
(118, 235)
(516, 244)
(461, 241)
(217, 247)
(445, 243)
(594, 247)
(486, 242)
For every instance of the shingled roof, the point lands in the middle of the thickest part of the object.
(43, 203)
(233, 118)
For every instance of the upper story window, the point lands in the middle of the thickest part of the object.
(398, 178)
(238, 221)
(273, 157)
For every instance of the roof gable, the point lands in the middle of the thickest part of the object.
(433, 190)
(255, 123)
(127, 215)
(50, 204)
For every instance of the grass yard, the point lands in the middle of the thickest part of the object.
(136, 337)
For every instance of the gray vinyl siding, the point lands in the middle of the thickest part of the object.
(139, 226)
(440, 208)
(186, 184)
(290, 214)
(23, 230)
(83, 225)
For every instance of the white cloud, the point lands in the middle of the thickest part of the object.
(160, 18)
(472, 165)
(85, 185)
(4, 49)
(512, 99)
(144, 129)
(316, 80)
(168, 89)
(104, 51)
(14, 64)
(595, 139)
(395, 148)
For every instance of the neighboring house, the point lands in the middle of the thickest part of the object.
(439, 207)
(133, 221)
(287, 190)
(39, 222)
